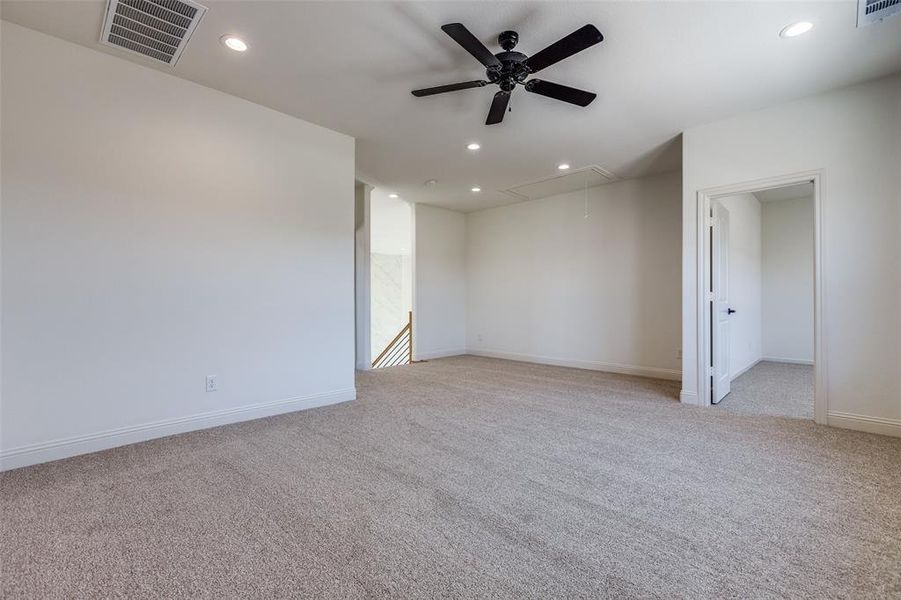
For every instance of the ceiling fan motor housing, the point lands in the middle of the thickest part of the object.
(508, 39)
(512, 69)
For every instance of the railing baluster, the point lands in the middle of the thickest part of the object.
(395, 353)
(399, 351)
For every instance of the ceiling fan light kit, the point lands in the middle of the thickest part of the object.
(509, 68)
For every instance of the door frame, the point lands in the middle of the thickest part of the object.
(362, 283)
(704, 198)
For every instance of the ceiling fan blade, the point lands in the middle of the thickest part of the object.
(498, 108)
(452, 87)
(560, 92)
(471, 44)
(577, 41)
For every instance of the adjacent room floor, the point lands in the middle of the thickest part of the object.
(772, 389)
(469, 477)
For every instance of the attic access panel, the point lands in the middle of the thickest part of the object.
(570, 181)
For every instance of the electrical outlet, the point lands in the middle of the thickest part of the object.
(212, 383)
(479, 338)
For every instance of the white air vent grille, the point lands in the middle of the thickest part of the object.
(159, 29)
(873, 11)
(562, 183)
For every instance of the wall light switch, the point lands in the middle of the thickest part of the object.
(212, 383)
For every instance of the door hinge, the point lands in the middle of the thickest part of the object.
(709, 221)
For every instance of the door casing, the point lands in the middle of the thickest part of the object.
(704, 199)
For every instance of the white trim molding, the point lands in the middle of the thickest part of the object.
(641, 371)
(745, 369)
(878, 425)
(754, 363)
(103, 440)
(788, 361)
(702, 257)
(362, 280)
(443, 353)
(689, 398)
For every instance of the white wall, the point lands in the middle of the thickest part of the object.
(439, 314)
(745, 281)
(154, 232)
(854, 136)
(546, 284)
(788, 264)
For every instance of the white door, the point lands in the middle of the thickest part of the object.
(720, 311)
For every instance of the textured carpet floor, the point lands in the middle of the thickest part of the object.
(469, 477)
(773, 389)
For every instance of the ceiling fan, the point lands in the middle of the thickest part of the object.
(508, 69)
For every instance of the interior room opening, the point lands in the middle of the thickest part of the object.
(391, 279)
(761, 281)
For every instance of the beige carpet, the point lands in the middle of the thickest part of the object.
(469, 477)
(773, 389)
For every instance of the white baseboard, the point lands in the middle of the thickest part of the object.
(430, 354)
(655, 372)
(741, 372)
(789, 361)
(879, 425)
(104, 440)
(689, 398)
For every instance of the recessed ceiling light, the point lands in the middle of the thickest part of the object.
(392, 195)
(473, 146)
(234, 43)
(477, 189)
(563, 166)
(796, 29)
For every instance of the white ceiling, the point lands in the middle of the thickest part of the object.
(663, 67)
(789, 192)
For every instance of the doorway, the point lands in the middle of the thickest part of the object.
(760, 300)
(390, 280)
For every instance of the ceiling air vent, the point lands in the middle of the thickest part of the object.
(159, 29)
(873, 11)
